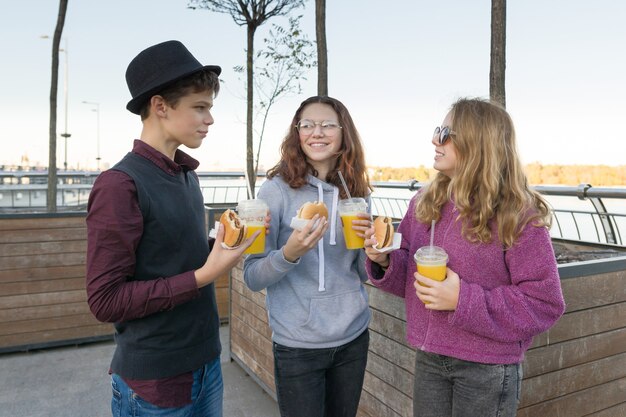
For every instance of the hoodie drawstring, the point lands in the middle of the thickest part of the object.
(320, 249)
(333, 217)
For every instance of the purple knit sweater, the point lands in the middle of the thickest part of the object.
(506, 297)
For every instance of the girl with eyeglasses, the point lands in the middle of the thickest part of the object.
(317, 304)
(502, 286)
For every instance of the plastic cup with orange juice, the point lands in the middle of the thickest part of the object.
(349, 210)
(431, 262)
(252, 213)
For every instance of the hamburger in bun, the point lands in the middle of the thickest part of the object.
(308, 210)
(234, 229)
(383, 231)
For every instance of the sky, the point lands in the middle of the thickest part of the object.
(397, 65)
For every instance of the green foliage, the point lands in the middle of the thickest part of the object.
(279, 68)
(282, 63)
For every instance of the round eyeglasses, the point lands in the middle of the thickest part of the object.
(443, 134)
(307, 127)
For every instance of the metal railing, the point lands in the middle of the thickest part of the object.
(588, 219)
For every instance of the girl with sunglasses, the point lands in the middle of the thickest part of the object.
(502, 286)
(317, 304)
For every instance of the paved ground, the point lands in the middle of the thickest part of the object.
(73, 381)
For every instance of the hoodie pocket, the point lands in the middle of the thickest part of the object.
(336, 317)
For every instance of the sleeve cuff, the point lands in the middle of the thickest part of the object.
(184, 288)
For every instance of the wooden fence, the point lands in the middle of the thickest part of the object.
(43, 301)
(577, 368)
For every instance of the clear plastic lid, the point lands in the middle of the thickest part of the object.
(352, 205)
(431, 255)
(252, 209)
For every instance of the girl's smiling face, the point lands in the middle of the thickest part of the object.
(445, 155)
(321, 146)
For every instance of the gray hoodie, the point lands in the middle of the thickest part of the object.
(318, 301)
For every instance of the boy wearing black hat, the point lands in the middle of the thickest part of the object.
(150, 267)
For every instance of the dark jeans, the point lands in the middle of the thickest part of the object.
(320, 382)
(450, 387)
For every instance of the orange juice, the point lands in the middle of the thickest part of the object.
(436, 272)
(252, 214)
(349, 209)
(352, 240)
(258, 246)
(431, 262)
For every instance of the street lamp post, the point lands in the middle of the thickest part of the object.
(97, 110)
(64, 135)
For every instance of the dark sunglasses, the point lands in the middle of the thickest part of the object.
(443, 134)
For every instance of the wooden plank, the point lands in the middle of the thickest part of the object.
(389, 326)
(40, 312)
(248, 305)
(566, 381)
(47, 324)
(253, 349)
(263, 359)
(49, 273)
(15, 301)
(371, 406)
(43, 235)
(594, 290)
(47, 222)
(37, 287)
(383, 301)
(24, 339)
(257, 297)
(251, 320)
(587, 322)
(618, 410)
(223, 281)
(581, 403)
(402, 354)
(41, 261)
(222, 295)
(574, 352)
(390, 373)
(258, 339)
(266, 377)
(39, 248)
(394, 399)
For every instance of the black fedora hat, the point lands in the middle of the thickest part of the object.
(156, 67)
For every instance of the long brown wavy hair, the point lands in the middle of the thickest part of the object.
(489, 181)
(294, 167)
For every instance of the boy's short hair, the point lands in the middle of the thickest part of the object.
(201, 81)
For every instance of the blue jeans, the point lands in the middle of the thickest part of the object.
(320, 382)
(449, 387)
(207, 395)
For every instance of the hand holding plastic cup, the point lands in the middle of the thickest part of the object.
(349, 210)
(431, 262)
(252, 213)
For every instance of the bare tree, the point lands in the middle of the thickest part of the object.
(322, 51)
(51, 197)
(280, 66)
(252, 14)
(498, 52)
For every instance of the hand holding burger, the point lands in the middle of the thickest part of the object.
(309, 209)
(383, 231)
(234, 229)
(307, 232)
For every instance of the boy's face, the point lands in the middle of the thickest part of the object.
(188, 123)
